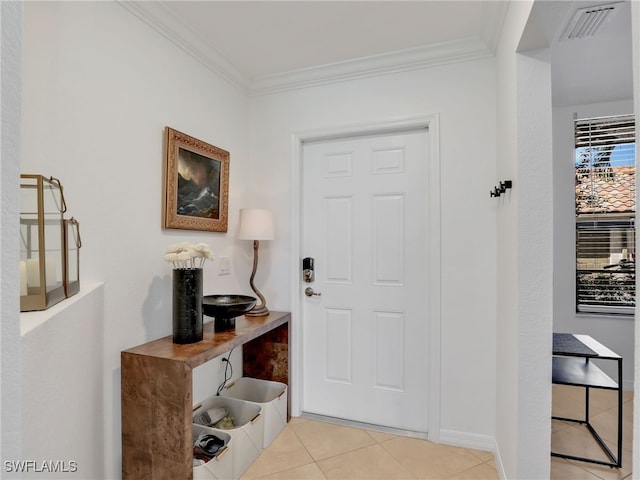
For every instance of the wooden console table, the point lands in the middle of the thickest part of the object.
(572, 365)
(157, 390)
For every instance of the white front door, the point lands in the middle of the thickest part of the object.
(364, 224)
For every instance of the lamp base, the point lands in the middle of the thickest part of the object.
(258, 311)
(261, 309)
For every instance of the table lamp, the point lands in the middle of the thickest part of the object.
(256, 224)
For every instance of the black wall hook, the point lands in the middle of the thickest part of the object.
(504, 186)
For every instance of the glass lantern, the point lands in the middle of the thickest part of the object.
(72, 244)
(42, 252)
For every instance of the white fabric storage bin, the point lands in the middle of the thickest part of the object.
(219, 467)
(246, 437)
(271, 396)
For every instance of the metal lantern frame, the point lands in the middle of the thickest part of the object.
(72, 244)
(45, 245)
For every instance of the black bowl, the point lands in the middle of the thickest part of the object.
(227, 306)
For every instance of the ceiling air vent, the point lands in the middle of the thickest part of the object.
(589, 21)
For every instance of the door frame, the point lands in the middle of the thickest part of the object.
(430, 123)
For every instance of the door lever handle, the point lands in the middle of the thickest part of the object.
(309, 292)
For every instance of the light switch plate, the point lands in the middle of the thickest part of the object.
(225, 266)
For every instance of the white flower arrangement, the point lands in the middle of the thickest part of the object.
(188, 255)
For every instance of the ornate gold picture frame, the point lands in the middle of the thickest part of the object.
(196, 184)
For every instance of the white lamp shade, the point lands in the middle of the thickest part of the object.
(256, 224)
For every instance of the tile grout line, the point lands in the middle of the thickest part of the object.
(313, 460)
(390, 438)
(375, 442)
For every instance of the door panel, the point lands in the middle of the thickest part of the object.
(364, 223)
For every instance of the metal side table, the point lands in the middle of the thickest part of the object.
(572, 365)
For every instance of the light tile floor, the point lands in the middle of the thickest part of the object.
(315, 450)
(574, 439)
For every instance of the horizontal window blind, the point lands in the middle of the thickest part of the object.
(605, 214)
(605, 272)
(605, 131)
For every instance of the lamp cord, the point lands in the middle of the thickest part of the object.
(229, 367)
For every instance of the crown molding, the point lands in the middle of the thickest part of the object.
(162, 19)
(496, 14)
(372, 66)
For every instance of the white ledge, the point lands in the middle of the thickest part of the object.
(29, 321)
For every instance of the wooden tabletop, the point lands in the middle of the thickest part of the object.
(213, 343)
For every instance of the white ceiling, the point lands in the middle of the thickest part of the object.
(270, 45)
(266, 38)
(266, 46)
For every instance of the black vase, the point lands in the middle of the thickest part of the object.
(187, 305)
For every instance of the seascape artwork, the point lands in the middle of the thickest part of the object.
(198, 190)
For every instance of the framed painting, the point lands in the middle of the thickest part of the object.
(196, 184)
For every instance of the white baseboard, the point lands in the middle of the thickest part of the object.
(467, 440)
(499, 466)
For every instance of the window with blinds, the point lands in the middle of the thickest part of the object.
(605, 191)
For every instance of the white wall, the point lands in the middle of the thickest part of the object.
(525, 260)
(464, 97)
(507, 271)
(616, 332)
(99, 86)
(535, 262)
(10, 56)
(62, 380)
